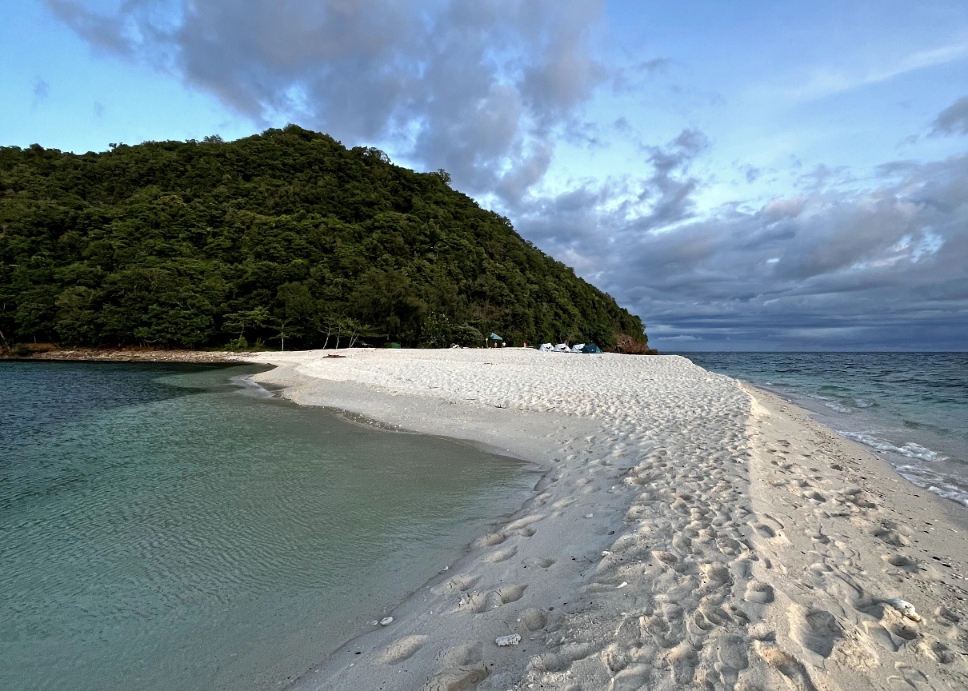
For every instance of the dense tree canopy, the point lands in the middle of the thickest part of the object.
(284, 235)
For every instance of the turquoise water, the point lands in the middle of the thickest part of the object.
(164, 528)
(911, 408)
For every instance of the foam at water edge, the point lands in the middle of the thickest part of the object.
(248, 387)
(909, 449)
(934, 483)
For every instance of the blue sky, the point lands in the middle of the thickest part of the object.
(744, 175)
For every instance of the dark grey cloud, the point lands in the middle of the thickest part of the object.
(574, 229)
(953, 119)
(670, 188)
(874, 267)
(474, 87)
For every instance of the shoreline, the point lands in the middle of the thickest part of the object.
(688, 530)
(126, 355)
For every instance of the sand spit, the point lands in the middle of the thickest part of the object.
(687, 533)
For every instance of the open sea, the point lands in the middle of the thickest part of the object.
(909, 408)
(173, 527)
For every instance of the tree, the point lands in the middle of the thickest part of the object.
(283, 330)
(174, 243)
(77, 316)
(245, 319)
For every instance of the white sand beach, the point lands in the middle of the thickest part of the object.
(687, 532)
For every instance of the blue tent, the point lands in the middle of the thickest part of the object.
(495, 337)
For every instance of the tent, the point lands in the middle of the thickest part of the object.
(577, 348)
(562, 348)
(546, 348)
(495, 337)
(591, 348)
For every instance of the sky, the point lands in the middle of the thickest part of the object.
(742, 174)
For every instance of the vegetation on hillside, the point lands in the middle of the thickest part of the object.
(281, 237)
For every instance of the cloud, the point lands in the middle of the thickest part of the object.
(481, 89)
(828, 81)
(653, 66)
(669, 186)
(859, 267)
(488, 89)
(41, 89)
(953, 119)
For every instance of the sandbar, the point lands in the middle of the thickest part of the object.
(687, 531)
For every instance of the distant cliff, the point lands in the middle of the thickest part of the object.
(284, 235)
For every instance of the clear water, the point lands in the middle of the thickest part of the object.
(164, 528)
(911, 408)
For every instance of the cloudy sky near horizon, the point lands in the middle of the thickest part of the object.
(744, 175)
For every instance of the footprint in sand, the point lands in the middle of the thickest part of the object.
(815, 629)
(731, 651)
(488, 540)
(481, 602)
(715, 575)
(523, 522)
(760, 593)
(891, 537)
(728, 546)
(533, 619)
(787, 665)
(544, 483)
(860, 499)
(459, 583)
(460, 668)
(940, 652)
(764, 531)
(500, 555)
(902, 562)
(541, 562)
(402, 649)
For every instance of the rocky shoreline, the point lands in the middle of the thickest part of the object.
(48, 352)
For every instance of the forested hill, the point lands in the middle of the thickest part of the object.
(286, 234)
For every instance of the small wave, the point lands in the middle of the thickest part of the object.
(952, 493)
(837, 407)
(251, 388)
(935, 483)
(908, 449)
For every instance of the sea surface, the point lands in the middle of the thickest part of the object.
(171, 527)
(910, 408)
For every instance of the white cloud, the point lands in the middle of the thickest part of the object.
(827, 81)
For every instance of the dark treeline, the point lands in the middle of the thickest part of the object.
(285, 235)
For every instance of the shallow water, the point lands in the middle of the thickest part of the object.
(911, 408)
(162, 528)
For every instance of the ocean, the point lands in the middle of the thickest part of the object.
(909, 408)
(173, 527)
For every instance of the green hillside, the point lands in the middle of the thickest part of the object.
(286, 234)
